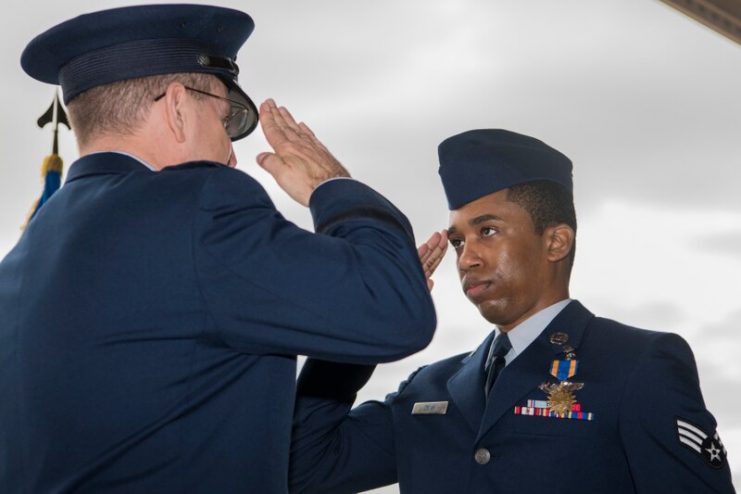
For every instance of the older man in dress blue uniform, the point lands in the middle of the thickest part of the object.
(554, 400)
(153, 309)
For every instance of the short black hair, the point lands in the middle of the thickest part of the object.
(548, 204)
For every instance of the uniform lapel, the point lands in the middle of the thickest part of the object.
(466, 387)
(531, 368)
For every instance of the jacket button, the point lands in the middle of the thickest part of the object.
(482, 456)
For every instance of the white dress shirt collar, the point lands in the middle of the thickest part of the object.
(528, 330)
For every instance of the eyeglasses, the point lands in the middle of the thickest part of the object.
(237, 124)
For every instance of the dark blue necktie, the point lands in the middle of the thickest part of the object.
(495, 362)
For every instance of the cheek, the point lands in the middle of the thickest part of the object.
(514, 265)
(511, 278)
(504, 260)
(220, 142)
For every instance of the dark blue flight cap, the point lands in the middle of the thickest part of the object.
(125, 43)
(480, 162)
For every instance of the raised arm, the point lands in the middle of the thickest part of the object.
(335, 449)
(353, 292)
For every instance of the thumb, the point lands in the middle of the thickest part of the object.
(270, 162)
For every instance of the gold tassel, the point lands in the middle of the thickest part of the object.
(51, 163)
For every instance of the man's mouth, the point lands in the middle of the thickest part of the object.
(475, 289)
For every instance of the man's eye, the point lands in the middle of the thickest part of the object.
(488, 231)
(456, 243)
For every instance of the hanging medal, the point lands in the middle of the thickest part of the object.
(561, 396)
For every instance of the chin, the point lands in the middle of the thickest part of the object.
(493, 312)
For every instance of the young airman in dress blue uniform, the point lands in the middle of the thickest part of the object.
(555, 400)
(153, 309)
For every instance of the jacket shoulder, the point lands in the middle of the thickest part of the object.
(616, 332)
(220, 184)
(435, 374)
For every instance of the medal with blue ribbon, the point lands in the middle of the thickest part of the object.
(561, 399)
(564, 369)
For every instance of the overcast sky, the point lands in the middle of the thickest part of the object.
(644, 100)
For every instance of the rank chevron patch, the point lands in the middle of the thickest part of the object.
(709, 447)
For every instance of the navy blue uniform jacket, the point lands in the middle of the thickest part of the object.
(636, 383)
(150, 323)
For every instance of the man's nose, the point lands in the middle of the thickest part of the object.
(469, 258)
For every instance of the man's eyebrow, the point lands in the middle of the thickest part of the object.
(484, 217)
(476, 221)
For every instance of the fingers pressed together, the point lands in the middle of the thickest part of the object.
(432, 252)
(299, 162)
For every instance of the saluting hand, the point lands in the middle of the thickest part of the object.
(300, 162)
(431, 253)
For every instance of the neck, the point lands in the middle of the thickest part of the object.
(542, 303)
(152, 149)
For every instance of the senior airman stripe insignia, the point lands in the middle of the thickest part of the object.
(430, 408)
(709, 447)
(690, 436)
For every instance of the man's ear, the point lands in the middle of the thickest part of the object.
(175, 115)
(559, 240)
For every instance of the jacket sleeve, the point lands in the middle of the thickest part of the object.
(334, 449)
(354, 291)
(668, 435)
